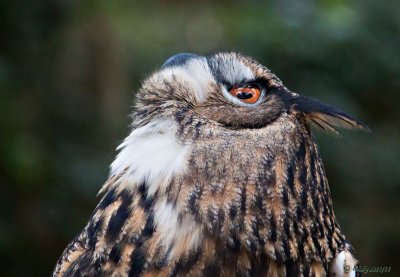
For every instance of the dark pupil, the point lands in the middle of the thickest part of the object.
(244, 95)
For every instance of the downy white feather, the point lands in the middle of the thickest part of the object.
(343, 265)
(151, 154)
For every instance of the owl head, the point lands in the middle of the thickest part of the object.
(231, 90)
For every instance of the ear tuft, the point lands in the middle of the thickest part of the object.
(325, 116)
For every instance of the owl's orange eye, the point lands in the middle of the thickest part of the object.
(248, 95)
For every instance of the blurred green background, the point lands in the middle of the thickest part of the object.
(68, 75)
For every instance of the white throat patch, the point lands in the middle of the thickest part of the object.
(151, 154)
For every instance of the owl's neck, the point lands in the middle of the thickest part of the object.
(260, 191)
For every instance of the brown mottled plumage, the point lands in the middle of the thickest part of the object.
(208, 184)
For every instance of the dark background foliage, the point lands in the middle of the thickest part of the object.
(68, 75)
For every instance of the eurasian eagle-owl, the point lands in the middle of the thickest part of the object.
(220, 176)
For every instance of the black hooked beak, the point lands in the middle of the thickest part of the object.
(323, 115)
